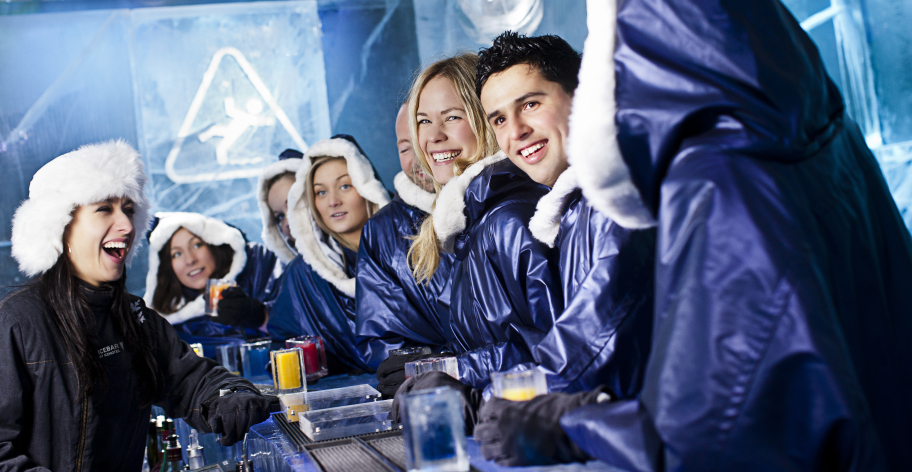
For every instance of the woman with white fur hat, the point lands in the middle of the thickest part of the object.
(82, 360)
(336, 190)
(185, 250)
(272, 198)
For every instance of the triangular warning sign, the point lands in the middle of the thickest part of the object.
(222, 122)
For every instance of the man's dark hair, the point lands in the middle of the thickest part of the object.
(554, 59)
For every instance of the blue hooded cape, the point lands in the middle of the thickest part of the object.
(257, 280)
(782, 310)
(604, 333)
(317, 293)
(392, 308)
(506, 289)
(309, 305)
(252, 267)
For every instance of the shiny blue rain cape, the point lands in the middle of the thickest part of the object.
(309, 305)
(506, 289)
(604, 333)
(392, 308)
(782, 317)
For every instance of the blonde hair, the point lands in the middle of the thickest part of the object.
(312, 204)
(424, 255)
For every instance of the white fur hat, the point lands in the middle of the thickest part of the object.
(214, 232)
(272, 238)
(90, 174)
(317, 248)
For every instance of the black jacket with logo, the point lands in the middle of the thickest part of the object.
(45, 424)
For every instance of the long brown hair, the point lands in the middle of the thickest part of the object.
(312, 204)
(70, 313)
(169, 291)
(424, 255)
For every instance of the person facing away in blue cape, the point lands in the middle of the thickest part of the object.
(783, 266)
(185, 250)
(335, 191)
(505, 287)
(393, 309)
(602, 337)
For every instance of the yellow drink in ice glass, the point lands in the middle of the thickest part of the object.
(287, 365)
(519, 386)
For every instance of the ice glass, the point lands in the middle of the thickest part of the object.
(444, 364)
(228, 357)
(314, 353)
(213, 293)
(424, 350)
(254, 357)
(519, 386)
(433, 431)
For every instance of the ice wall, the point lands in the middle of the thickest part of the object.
(208, 94)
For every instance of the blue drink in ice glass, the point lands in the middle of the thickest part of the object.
(433, 431)
(254, 357)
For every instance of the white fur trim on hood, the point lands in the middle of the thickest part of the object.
(545, 224)
(90, 174)
(214, 232)
(272, 237)
(316, 247)
(412, 194)
(592, 144)
(449, 214)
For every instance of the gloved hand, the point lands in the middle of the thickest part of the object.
(391, 372)
(233, 414)
(236, 308)
(471, 397)
(529, 433)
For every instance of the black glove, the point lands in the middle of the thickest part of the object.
(471, 397)
(233, 414)
(391, 372)
(237, 309)
(529, 433)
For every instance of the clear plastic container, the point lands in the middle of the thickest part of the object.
(352, 420)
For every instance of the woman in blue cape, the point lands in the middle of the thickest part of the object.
(186, 249)
(335, 191)
(783, 266)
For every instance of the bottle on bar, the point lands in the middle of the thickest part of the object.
(152, 449)
(173, 456)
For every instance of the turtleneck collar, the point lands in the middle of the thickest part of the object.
(100, 298)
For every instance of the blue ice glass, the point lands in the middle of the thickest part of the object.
(433, 431)
(254, 357)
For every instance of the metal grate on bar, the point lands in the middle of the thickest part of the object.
(390, 447)
(347, 458)
(292, 431)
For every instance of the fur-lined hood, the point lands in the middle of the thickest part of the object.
(214, 232)
(660, 74)
(545, 224)
(317, 248)
(449, 212)
(85, 176)
(272, 237)
(412, 194)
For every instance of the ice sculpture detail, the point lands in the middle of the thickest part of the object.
(483, 20)
(240, 121)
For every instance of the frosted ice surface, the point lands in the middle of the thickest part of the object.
(222, 90)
